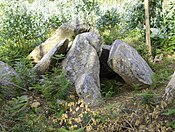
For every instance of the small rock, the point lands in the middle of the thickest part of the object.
(35, 104)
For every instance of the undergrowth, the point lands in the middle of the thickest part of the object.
(49, 104)
(53, 85)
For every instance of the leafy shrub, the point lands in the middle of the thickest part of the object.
(28, 77)
(17, 115)
(168, 31)
(172, 124)
(21, 31)
(108, 20)
(55, 85)
(109, 35)
(164, 40)
(169, 17)
(108, 24)
(54, 22)
(134, 15)
(86, 11)
(110, 88)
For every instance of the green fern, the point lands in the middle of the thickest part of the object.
(172, 124)
(169, 112)
(147, 98)
(16, 105)
(55, 85)
(64, 130)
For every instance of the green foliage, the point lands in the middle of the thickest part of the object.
(27, 76)
(87, 11)
(31, 1)
(16, 105)
(168, 18)
(54, 22)
(21, 31)
(160, 79)
(2, 128)
(162, 75)
(1, 98)
(55, 85)
(148, 98)
(161, 19)
(155, 12)
(109, 35)
(109, 20)
(169, 112)
(137, 87)
(18, 114)
(110, 88)
(134, 15)
(24, 127)
(172, 124)
(170, 46)
(108, 26)
(164, 40)
(64, 130)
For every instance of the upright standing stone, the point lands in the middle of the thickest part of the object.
(82, 67)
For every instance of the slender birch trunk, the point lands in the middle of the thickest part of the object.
(148, 40)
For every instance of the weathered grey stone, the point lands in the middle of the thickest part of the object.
(105, 70)
(94, 40)
(7, 75)
(66, 31)
(82, 67)
(169, 95)
(44, 64)
(89, 89)
(126, 62)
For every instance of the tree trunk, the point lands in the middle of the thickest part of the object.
(148, 40)
(169, 95)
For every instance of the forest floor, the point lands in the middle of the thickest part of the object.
(127, 110)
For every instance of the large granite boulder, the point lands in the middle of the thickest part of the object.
(127, 63)
(7, 77)
(66, 31)
(82, 67)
